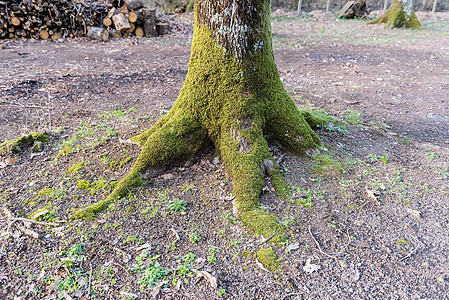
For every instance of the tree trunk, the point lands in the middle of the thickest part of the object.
(399, 14)
(233, 97)
(299, 6)
(434, 8)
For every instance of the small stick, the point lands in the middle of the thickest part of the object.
(319, 247)
(90, 280)
(118, 265)
(266, 240)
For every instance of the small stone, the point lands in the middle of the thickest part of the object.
(343, 264)
(425, 264)
(216, 160)
(440, 279)
(358, 223)
(167, 176)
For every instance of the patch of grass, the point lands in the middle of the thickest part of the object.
(352, 117)
(304, 197)
(211, 258)
(194, 237)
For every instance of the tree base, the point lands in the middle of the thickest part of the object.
(396, 16)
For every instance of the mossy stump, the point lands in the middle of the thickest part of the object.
(232, 97)
(400, 14)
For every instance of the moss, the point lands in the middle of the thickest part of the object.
(76, 168)
(65, 151)
(19, 144)
(49, 193)
(268, 258)
(37, 147)
(91, 187)
(397, 17)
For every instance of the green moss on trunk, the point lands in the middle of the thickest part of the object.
(398, 16)
(19, 144)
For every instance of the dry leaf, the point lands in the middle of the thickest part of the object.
(212, 280)
(155, 291)
(7, 162)
(371, 195)
(309, 268)
(360, 244)
(260, 265)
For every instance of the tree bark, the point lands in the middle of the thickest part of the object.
(399, 14)
(233, 97)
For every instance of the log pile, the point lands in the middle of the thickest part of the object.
(136, 17)
(56, 19)
(46, 19)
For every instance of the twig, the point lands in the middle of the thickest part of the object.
(90, 280)
(413, 251)
(118, 265)
(266, 240)
(319, 247)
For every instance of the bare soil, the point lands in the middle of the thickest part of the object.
(368, 211)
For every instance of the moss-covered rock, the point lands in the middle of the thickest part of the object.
(23, 142)
(400, 14)
(268, 258)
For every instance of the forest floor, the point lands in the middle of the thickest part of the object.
(368, 218)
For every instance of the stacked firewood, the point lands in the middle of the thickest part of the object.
(136, 17)
(56, 19)
(46, 19)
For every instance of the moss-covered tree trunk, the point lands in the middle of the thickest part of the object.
(233, 97)
(400, 14)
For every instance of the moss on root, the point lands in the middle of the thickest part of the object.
(236, 104)
(396, 16)
(19, 144)
(268, 258)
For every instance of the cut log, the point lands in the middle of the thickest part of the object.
(139, 32)
(15, 21)
(44, 34)
(124, 9)
(56, 36)
(116, 34)
(149, 22)
(345, 8)
(98, 34)
(120, 22)
(163, 28)
(131, 27)
(112, 11)
(134, 4)
(149, 3)
(107, 22)
(132, 17)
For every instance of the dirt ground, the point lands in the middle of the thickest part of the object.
(368, 218)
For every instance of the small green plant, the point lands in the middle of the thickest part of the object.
(328, 164)
(211, 258)
(150, 269)
(177, 205)
(221, 292)
(194, 237)
(352, 117)
(402, 242)
(187, 263)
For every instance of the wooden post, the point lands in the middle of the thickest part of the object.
(299, 6)
(385, 4)
(327, 5)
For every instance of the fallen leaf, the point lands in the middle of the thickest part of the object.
(144, 246)
(7, 162)
(337, 83)
(309, 268)
(371, 195)
(130, 295)
(155, 291)
(212, 280)
(260, 265)
(360, 244)
(293, 246)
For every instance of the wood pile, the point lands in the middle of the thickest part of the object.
(56, 19)
(46, 19)
(136, 17)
